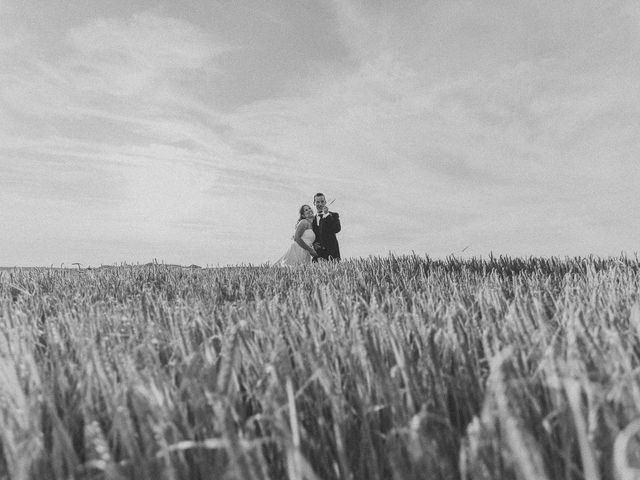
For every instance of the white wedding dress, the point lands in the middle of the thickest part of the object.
(296, 255)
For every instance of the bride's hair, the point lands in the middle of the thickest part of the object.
(301, 212)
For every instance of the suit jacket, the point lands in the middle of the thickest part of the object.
(326, 236)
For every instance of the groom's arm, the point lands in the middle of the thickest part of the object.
(332, 223)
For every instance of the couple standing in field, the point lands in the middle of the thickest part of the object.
(315, 235)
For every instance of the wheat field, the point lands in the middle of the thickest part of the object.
(402, 367)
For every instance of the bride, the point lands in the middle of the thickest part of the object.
(301, 249)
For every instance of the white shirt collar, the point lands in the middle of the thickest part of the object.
(318, 217)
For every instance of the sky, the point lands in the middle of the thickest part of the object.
(191, 132)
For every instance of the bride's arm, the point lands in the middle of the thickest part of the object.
(297, 237)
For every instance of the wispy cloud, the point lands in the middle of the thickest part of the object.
(544, 120)
(109, 108)
(139, 54)
(511, 127)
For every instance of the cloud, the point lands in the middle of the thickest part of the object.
(109, 97)
(125, 57)
(510, 126)
(497, 145)
(145, 58)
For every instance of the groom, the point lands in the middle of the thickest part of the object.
(325, 225)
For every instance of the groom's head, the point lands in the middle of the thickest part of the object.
(319, 202)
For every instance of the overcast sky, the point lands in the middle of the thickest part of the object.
(192, 131)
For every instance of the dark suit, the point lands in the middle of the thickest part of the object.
(326, 243)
